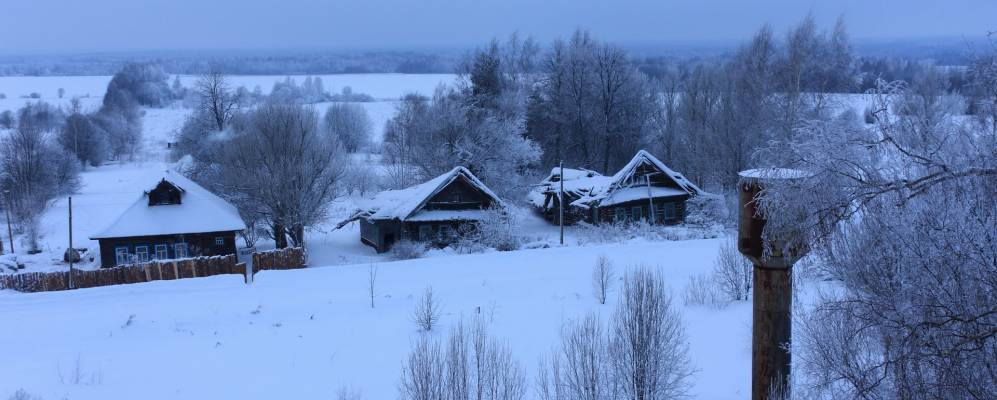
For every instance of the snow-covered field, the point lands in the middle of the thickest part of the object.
(305, 333)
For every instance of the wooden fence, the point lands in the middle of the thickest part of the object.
(146, 272)
(289, 258)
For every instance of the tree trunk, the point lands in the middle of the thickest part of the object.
(297, 234)
(279, 236)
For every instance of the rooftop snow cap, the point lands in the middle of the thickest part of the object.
(402, 204)
(589, 188)
(200, 212)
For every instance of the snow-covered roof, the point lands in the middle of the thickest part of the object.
(589, 188)
(199, 211)
(773, 173)
(577, 183)
(406, 204)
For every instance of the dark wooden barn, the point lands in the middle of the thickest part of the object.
(432, 212)
(174, 219)
(643, 190)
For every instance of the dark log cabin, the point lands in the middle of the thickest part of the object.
(432, 212)
(174, 219)
(643, 190)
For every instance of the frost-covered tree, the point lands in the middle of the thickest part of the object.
(350, 124)
(145, 83)
(903, 215)
(83, 138)
(281, 167)
(33, 171)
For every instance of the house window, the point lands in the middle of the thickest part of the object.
(425, 232)
(670, 211)
(142, 253)
(121, 255)
(180, 250)
(620, 214)
(446, 232)
(659, 211)
(162, 252)
(636, 213)
(219, 241)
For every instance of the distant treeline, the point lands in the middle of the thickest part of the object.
(234, 63)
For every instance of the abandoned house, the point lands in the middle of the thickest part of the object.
(432, 212)
(174, 219)
(644, 190)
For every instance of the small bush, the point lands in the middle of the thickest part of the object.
(602, 278)
(732, 272)
(20, 394)
(427, 311)
(701, 291)
(407, 250)
(498, 229)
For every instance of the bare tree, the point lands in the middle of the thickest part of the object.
(602, 278)
(217, 99)
(422, 376)
(280, 162)
(648, 344)
(732, 272)
(350, 124)
(427, 311)
(34, 171)
(372, 282)
(580, 367)
(469, 365)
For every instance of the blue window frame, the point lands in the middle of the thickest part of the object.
(670, 211)
(162, 252)
(219, 240)
(142, 253)
(636, 213)
(180, 250)
(121, 256)
(620, 214)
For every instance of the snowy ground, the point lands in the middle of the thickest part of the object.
(305, 333)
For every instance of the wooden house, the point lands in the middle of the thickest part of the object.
(645, 189)
(174, 219)
(430, 212)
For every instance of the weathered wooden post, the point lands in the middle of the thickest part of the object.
(772, 292)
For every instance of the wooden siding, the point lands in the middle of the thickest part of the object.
(198, 244)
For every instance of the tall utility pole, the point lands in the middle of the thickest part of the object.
(560, 202)
(6, 210)
(72, 252)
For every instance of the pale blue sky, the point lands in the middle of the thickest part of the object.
(115, 25)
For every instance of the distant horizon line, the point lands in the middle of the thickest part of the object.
(659, 45)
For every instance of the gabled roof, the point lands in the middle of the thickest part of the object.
(200, 211)
(588, 188)
(577, 183)
(404, 204)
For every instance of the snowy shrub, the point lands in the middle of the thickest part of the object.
(406, 250)
(361, 179)
(468, 364)
(643, 354)
(497, 229)
(602, 278)
(732, 272)
(707, 209)
(701, 290)
(427, 311)
(20, 394)
(349, 393)
(623, 232)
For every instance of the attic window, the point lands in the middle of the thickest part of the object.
(165, 193)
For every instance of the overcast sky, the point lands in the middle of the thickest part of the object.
(37, 26)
